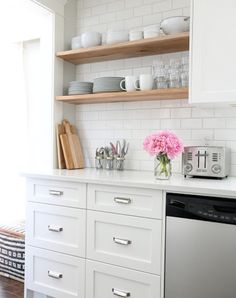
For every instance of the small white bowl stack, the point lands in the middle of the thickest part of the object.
(171, 25)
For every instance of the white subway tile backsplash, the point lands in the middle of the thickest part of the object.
(181, 113)
(142, 10)
(116, 5)
(202, 134)
(135, 22)
(225, 134)
(231, 123)
(161, 6)
(107, 17)
(191, 123)
(186, 11)
(170, 124)
(172, 13)
(214, 123)
(132, 124)
(202, 112)
(150, 124)
(133, 3)
(124, 14)
(152, 19)
(98, 124)
(225, 112)
(180, 3)
(99, 9)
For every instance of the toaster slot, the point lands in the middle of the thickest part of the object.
(205, 160)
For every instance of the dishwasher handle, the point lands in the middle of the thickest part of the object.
(177, 204)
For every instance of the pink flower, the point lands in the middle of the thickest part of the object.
(164, 142)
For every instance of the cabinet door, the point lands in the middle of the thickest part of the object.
(61, 193)
(126, 241)
(107, 281)
(54, 274)
(125, 200)
(213, 48)
(56, 228)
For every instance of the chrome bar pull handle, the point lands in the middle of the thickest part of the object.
(55, 275)
(122, 241)
(53, 228)
(56, 193)
(122, 200)
(120, 293)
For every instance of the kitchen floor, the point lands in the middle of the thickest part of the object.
(10, 288)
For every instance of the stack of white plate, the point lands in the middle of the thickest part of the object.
(107, 84)
(76, 87)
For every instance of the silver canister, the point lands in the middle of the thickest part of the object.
(109, 163)
(120, 161)
(99, 162)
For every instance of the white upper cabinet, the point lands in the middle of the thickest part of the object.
(213, 52)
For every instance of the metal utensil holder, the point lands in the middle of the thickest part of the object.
(120, 163)
(99, 162)
(109, 163)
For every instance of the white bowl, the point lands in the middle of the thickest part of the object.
(91, 39)
(117, 36)
(135, 35)
(76, 43)
(174, 25)
(151, 34)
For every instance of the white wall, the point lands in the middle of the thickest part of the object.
(100, 123)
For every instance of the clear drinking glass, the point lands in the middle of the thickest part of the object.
(184, 79)
(175, 79)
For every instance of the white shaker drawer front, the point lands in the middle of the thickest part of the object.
(60, 193)
(55, 274)
(56, 228)
(125, 200)
(131, 242)
(107, 281)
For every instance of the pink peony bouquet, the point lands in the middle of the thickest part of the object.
(165, 145)
(164, 142)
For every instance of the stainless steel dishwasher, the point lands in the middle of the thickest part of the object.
(200, 247)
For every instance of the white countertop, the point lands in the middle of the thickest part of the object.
(177, 183)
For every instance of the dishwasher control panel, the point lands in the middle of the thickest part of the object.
(201, 208)
(209, 212)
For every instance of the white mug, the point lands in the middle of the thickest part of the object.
(128, 83)
(145, 81)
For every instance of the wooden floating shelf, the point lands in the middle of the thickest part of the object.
(157, 94)
(143, 47)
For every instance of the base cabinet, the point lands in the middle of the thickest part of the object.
(125, 241)
(107, 281)
(79, 245)
(55, 274)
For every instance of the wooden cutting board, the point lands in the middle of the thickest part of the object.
(66, 152)
(61, 160)
(78, 148)
(70, 138)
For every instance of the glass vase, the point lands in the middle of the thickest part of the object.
(162, 167)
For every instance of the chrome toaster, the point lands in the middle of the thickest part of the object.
(206, 161)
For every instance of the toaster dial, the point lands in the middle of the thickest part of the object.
(188, 167)
(216, 169)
